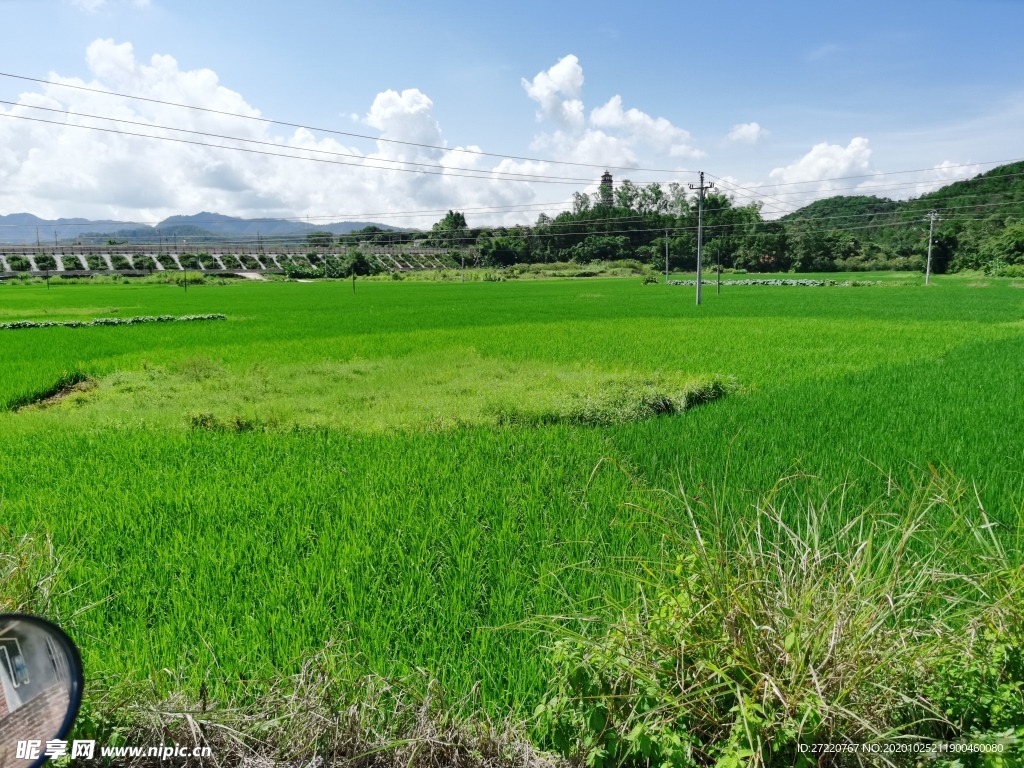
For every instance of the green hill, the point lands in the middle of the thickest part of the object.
(980, 226)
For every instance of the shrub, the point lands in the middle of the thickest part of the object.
(231, 262)
(600, 248)
(630, 264)
(649, 280)
(356, 263)
(120, 261)
(208, 421)
(166, 261)
(96, 263)
(618, 402)
(70, 262)
(1012, 270)
(301, 271)
(189, 260)
(249, 262)
(44, 261)
(208, 262)
(18, 264)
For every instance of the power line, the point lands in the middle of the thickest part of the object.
(757, 193)
(586, 227)
(326, 130)
(675, 230)
(902, 210)
(450, 149)
(366, 159)
(813, 196)
(551, 180)
(892, 173)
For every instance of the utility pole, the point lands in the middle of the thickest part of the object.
(932, 218)
(666, 256)
(463, 266)
(38, 244)
(701, 189)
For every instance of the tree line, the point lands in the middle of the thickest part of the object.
(980, 227)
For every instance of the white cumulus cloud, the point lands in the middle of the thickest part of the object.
(612, 134)
(827, 161)
(746, 133)
(558, 91)
(944, 173)
(826, 170)
(57, 170)
(61, 168)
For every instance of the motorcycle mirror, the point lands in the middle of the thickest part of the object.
(40, 690)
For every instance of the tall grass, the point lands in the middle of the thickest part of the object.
(891, 628)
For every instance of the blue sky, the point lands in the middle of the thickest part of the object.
(921, 84)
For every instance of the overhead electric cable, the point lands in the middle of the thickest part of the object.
(366, 159)
(494, 176)
(329, 130)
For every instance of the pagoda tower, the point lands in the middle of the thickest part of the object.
(606, 190)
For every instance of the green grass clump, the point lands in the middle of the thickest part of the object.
(18, 263)
(120, 261)
(96, 263)
(783, 628)
(45, 261)
(231, 262)
(615, 402)
(166, 261)
(71, 262)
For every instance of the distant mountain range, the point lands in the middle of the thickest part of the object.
(25, 228)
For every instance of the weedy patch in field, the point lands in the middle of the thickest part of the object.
(455, 389)
(332, 712)
(904, 623)
(71, 387)
(617, 401)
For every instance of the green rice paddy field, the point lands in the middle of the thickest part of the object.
(228, 497)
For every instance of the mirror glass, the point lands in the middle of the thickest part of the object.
(40, 689)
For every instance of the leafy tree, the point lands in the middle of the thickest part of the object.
(600, 248)
(1005, 248)
(451, 230)
(504, 251)
(320, 239)
(580, 204)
